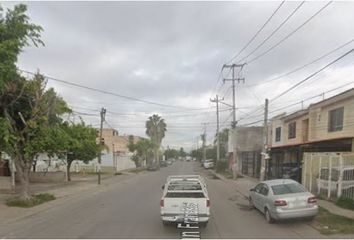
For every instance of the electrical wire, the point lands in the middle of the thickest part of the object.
(256, 34)
(275, 31)
(303, 66)
(289, 35)
(312, 75)
(107, 92)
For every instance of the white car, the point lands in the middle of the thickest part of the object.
(185, 195)
(209, 163)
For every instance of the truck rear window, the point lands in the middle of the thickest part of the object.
(184, 185)
(184, 195)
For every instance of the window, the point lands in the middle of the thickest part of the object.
(335, 119)
(277, 134)
(264, 190)
(185, 195)
(292, 130)
(258, 188)
(288, 188)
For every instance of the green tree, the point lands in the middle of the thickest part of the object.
(142, 149)
(81, 143)
(182, 153)
(171, 153)
(155, 129)
(25, 126)
(197, 153)
(24, 106)
(16, 32)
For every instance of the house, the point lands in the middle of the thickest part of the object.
(116, 143)
(325, 126)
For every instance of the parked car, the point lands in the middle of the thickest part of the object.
(209, 163)
(163, 164)
(152, 167)
(283, 199)
(183, 194)
(169, 162)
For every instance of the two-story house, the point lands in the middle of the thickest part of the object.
(114, 142)
(325, 126)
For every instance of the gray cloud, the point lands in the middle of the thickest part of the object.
(172, 52)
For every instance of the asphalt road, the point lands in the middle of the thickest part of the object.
(130, 209)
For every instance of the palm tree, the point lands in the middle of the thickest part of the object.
(155, 129)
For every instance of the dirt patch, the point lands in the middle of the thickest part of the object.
(328, 223)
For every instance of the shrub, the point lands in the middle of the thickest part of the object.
(345, 203)
(35, 200)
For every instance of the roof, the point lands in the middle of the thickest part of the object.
(341, 96)
(296, 114)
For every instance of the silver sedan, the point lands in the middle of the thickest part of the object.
(283, 199)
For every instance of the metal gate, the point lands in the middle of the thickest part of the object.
(329, 174)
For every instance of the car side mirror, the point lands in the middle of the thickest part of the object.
(163, 186)
(252, 190)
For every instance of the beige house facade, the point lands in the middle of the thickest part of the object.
(325, 126)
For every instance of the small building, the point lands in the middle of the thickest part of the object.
(249, 142)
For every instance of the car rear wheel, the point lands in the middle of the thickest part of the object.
(165, 223)
(268, 217)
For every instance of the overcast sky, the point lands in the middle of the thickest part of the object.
(172, 52)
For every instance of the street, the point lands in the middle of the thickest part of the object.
(130, 209)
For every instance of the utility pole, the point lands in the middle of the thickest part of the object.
(114, 159)
(103, 115)
(265, 155)
(234, 122)
(217, 100)
(204, 140)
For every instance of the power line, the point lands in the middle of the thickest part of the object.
(312, 97)
(303, 66)
(275, 31)
(107, 92)
(251, 40)
(244, 125)
(312, 75)
(289, 35)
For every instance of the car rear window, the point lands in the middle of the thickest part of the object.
(288, 188)
(184, 195)
(184, 185)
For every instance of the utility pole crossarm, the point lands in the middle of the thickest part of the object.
(234, 122)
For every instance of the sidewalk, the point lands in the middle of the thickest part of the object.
(243, 185)
(79, 186)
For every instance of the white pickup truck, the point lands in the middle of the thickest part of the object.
(181, 192)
